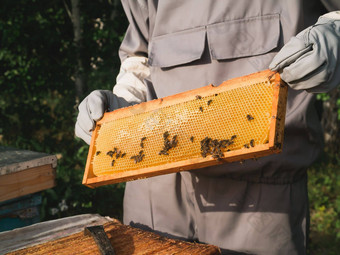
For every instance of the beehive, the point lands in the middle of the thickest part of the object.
(125, 240)
(240, 119)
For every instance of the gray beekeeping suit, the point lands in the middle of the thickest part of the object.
(258, 207)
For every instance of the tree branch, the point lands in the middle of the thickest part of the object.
(69, 13)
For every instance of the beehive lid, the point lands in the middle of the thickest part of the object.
(15, 160)
(240, 119)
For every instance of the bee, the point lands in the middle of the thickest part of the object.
(98, 152)
(223, 143)
(201, 108)
(233, 137)
(163, 152)
(246, 146)
(198, 97)
(252, 143)
(249, 117)
(166, 135)
(230, 142)
(110, 153)
(123, 155)
(112, 162)
(168, 144)
(118, 154)
(192, 139)
(213, 147)
(209, 102)
(134, 158)
(174, 141)
(141, 142)
(115, 150)
(138, 158)
(216, 95)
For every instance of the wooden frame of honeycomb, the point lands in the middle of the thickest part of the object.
(240, 119)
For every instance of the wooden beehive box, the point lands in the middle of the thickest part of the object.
(124, 240)
(25, 172)
(240, 119)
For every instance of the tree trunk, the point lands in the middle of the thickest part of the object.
(78, 42)
(114, 12)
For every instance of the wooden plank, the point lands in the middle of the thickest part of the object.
(273, 145)
(124, 239)
(26, 182)
(190, 164)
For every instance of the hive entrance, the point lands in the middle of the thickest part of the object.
(237, 120)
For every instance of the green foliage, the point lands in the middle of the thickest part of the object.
(37, 99)
(324, 190)
(326, 97)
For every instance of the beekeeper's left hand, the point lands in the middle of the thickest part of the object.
(311, 60)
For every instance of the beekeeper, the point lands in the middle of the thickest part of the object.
(258, 207)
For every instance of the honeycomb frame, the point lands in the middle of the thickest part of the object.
(274, 130)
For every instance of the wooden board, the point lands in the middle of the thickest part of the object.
(124, 239)
(27, 181)
(272, 144)
(24, 172)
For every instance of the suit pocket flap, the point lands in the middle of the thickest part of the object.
(177, 48)
(245, 37)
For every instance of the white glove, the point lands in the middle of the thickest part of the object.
(130, 89)
(92, 109)
(311, 60)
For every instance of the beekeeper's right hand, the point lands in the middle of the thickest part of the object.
(130, 89)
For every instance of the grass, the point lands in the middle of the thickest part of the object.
(324, 197)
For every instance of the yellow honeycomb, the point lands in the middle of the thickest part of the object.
(240, 117)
